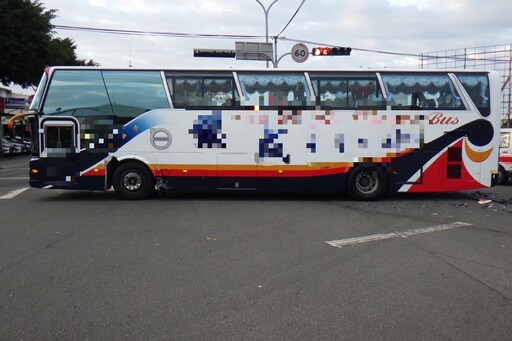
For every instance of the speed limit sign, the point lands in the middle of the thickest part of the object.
(300, 53)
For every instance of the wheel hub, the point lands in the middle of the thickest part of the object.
(132, 181)
(367, 183)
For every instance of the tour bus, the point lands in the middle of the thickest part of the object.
(505, 167)
(365, 132)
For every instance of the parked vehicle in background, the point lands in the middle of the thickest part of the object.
(13, 149)
(15, 145)
(505, 160)
(18, 147)
(6, 149)
(26, 146)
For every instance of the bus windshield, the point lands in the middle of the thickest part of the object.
(36, 102)
(105, 93)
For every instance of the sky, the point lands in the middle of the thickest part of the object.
(396, 26)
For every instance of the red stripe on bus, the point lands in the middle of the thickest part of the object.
(253, 173)
(241, 172)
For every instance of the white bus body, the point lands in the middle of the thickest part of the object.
(365, 132)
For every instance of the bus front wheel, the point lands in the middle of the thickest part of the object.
(366, 183)
(502, 175)
(133, 180)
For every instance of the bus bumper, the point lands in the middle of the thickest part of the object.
(494, 179)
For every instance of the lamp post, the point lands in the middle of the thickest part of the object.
(266, 10)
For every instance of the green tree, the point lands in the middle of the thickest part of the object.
(27, 45)
(62, 52)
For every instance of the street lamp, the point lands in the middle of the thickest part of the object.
(266, 10)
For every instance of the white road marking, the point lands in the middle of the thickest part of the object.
(349, 241)
(15, 178)
(14, 193)
(12, 168)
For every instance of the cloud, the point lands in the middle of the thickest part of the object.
(407, 26)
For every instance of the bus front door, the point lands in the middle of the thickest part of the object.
(60, 148)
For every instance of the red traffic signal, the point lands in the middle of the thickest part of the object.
(331, 51)
(321, 51)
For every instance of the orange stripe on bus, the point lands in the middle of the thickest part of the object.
(477, 156)
(318, 169)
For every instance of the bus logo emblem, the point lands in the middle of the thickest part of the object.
(160, 138)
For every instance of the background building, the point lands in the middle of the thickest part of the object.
(12, 104)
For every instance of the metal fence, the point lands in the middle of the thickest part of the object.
(494, 57)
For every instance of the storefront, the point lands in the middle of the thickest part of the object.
(10, 105)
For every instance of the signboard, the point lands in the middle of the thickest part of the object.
(15, 103)
(214, 53)
(2, 105)
(300, 53)
(254, 51)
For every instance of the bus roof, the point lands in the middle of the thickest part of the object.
(202, 69)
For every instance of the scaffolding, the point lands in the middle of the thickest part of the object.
(493, 57)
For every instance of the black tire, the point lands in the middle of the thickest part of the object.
(133, 180)
(502, 175)
(366, 183)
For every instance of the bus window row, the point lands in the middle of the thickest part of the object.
(404, 91)
(275, 89)
(128, 93)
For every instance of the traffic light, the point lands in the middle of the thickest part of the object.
(331, 51)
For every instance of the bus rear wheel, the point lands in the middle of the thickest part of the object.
(366, 183)
(133, 180)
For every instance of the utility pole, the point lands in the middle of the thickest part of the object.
(266, 10)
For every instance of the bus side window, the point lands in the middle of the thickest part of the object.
(331, 92)
(202, 89)
(347, 91)
(447, 100)
(477, 87)
(275, 89)
(184, 92)
(364, 94)
(218, 92)
(421, 91)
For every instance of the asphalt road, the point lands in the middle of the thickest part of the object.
(88, 266)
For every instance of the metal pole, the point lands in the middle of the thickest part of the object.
(275, 52)
(266, 10)
(1, 136)
(509, 90)
(284, 55)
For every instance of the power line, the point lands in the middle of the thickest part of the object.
(158, 34)
(297, 11)
(469, 57)
(202, 35)
(423, 56)
(215, 36)
(353, 48)
(240, 36)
